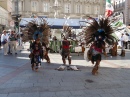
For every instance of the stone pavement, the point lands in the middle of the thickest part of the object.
(18, 80)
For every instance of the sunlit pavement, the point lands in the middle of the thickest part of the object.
(18, 80)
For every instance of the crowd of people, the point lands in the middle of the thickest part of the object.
(9, 39)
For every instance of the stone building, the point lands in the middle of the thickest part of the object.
(61, 8)
(123, 7)
(5, 14)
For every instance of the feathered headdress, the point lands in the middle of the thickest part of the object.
(100, 31)
(67, 31)
(34, 31)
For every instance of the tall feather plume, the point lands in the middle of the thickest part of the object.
(94, 28)
(32, 27)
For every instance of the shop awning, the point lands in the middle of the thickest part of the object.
(55, 23)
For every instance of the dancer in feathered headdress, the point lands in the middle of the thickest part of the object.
(98, 33)
(39, 33)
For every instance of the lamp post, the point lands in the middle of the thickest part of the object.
(17, 17)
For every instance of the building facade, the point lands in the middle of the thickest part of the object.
(48, 8)
(123, 7)
(5, 14)
(3, 19)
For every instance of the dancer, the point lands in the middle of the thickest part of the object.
(36, 58)
(36, 54)
(65, 51)
(98, 33)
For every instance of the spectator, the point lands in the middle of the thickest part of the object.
(4, 40)
(122, 45)
(0, 41)
(54, 38)
(13, 38)
(9, 32)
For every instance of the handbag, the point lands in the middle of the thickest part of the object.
(4, 42)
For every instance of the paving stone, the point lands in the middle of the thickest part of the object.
(110, 91)
(121, 95)
(63, 93)
(26, 85)
(48, 94)
(16, 95)
(3, 95)
(107, 95)
(78, 93)
(37, 94)
(112, 80)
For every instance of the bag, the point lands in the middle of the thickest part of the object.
(4, 42)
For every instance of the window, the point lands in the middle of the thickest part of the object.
(67, 8)
(34, 6)
(97, 10)
(129, 14)
(20, 5)
(116, 4)
(16, 7)
(88, 9)
(119, 4)
(78, 8)
(46, 7)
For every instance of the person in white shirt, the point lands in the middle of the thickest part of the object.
(122, 39)
(4, 41)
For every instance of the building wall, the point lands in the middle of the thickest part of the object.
(26, 10)
(7, 5)
(123, 6)
(128, 12)
(5, 14)
(3, 4)
(3, 18)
